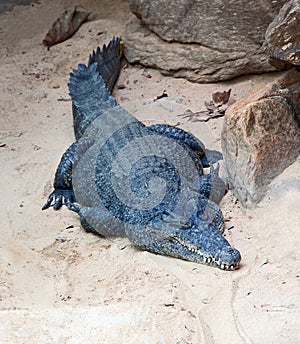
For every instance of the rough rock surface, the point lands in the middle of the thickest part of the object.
(199, 40)
(283, 34)
(261, 137)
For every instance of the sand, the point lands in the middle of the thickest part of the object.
(59, 284)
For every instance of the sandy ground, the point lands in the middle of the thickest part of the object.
(59, 284)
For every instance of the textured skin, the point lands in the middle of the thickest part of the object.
(146, 183)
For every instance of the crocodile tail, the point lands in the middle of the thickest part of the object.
(89, 95)
(104, 65)
(108, 61)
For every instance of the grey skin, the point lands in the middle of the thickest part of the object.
(146, 183)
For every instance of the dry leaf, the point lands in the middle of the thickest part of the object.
(65, 26)
(200, 116)
(215, 108)
(221, 97)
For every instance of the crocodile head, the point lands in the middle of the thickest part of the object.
(204, 245)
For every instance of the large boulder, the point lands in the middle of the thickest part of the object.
(282, 39)
(202, 41)
(261, 137)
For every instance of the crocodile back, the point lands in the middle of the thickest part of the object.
(137, 175)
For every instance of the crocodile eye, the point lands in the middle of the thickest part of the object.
(185, 226)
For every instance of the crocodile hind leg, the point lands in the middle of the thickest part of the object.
(184, 138)
(63, 193)
(206, 156)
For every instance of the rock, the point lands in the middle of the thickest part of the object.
(282, 39)
(261, 137)
(199, 40)
(285, 186)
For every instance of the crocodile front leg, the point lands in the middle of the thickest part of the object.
(63, 193)
(100, 221)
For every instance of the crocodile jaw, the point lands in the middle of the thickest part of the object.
(204, 245)
(230, 263)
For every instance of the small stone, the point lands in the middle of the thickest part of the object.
(61, 239)
(205, 301)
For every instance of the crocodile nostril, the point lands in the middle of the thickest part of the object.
(229, 249)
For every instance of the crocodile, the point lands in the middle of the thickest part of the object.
(146, 183)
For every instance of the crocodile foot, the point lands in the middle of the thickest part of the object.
(60, 197)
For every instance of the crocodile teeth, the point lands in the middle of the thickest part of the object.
(213, 260)
(235, 266)
(231, 267)
(195, 250)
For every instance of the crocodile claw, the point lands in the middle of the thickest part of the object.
(60, 197)
(73, 207)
